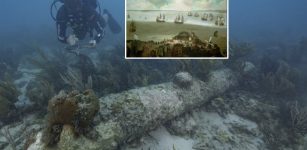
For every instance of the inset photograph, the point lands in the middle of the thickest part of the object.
(176, 29)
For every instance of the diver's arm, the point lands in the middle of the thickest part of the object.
(61, 25)
(61, 31)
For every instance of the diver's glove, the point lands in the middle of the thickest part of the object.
(92, 43)
(72, 40)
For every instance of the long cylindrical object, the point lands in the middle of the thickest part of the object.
(128, 115)
(131, 113)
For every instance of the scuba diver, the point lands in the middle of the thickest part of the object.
(83, 18)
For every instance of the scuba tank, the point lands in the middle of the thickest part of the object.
(54, 6)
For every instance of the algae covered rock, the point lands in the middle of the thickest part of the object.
(139, 110)
(75, 109)
(183, 79)
(128, 115)
(69, 141)
(111, 135)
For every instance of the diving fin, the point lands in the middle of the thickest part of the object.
(113, 24)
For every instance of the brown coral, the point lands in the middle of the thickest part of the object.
(74, 109)
(88, 107)
(62, 109)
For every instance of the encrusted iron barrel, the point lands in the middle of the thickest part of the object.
(128, 115)
(139, 110)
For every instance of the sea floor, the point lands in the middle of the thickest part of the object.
(203, 128)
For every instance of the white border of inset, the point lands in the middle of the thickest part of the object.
(227, 28)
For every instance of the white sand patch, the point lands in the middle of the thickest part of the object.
(22, 83)
(215, 132)
(161, 139)
(201, 130)
(38, 144)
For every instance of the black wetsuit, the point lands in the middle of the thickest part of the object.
(87, 20)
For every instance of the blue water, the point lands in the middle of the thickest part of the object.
(262, 19)
(31, 19)
(249, 20)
